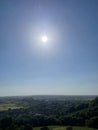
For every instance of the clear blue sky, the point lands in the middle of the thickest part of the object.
(69, 62)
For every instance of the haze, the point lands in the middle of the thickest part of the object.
(67, 65)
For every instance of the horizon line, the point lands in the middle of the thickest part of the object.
(49, 95)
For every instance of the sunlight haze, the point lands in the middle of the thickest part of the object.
(48, 47)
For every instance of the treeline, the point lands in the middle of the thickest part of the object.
(72, 113)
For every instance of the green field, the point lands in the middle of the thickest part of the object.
(64, 128)
(6, 106)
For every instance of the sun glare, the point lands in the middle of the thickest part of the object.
(44, 38)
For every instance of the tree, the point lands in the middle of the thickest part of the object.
(44, 128)
(92, 122)
(12, 127)
(28, 127)
(6, 122)
(69, 128)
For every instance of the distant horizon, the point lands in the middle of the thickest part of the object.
(44, 95)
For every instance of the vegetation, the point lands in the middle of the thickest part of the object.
(7, 106)
(64, 128)
(36, 113)
(44, 128)
(69, 128)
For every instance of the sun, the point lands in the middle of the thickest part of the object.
(44, 38)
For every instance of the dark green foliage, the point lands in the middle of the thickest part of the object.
(28, 127)
(44, 128)
(94, 102)
(51, 112)
(69, 128)
(6, 122)
(92, 122)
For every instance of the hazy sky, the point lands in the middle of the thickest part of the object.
(67, 64)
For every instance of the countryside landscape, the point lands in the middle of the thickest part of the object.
(49, 112)
(48, 64)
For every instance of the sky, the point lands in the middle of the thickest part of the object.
(67, 64)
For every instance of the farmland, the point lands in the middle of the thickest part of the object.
(7, 106)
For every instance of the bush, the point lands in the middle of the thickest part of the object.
(28, 127)
(92, 122)
(44, 128)
(69, 128)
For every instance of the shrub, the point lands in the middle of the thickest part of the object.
(69, 128)
(44, 128)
